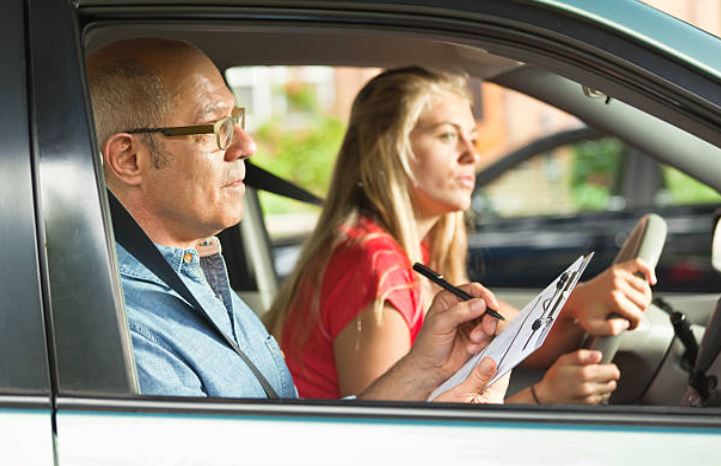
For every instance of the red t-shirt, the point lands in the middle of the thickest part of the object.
(366, 264)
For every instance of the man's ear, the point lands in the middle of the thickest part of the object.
(126, 158)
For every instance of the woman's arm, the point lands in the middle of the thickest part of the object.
(368, 346)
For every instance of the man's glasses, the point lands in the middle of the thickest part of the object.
(223, 129)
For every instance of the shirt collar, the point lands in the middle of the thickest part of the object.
(190, 256)
(176, 257)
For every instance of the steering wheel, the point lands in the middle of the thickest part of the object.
(645, 241)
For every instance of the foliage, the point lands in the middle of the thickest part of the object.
(304, 157)
(682, 189)
(301, 97)
(595, 165)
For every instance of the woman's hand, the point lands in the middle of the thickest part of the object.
(578, 378)
(618, 290)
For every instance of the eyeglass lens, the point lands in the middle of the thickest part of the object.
(225, 135)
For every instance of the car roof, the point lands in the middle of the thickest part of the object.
(630, 18)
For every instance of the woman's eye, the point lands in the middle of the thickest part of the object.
(448, 137)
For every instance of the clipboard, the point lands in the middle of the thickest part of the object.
(527, 331)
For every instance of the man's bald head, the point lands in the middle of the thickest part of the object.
(133, 85)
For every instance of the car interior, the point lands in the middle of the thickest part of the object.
(655, 362)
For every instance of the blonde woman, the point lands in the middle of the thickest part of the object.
(403, 178)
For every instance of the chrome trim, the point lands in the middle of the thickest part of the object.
(24, 402)
(636, 416)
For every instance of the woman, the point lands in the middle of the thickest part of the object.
(403, 178)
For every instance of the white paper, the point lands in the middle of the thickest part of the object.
(527, 331)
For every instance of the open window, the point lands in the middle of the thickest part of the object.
(659, 105)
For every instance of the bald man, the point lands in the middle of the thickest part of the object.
(173, 150)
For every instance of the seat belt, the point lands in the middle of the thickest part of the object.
(259, 178)
(131, 237)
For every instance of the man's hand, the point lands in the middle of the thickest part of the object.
(475, 390)
(617, 290)
(443, 345)
(578, 378)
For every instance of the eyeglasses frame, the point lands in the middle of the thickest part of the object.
(237, 115)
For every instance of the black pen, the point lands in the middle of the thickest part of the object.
(438, 279)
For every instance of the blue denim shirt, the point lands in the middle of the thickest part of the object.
(176, 350)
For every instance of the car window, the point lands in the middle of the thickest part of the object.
(593, 175)
(297, 116)
(562, 181)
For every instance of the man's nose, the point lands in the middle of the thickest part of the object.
(241, 147)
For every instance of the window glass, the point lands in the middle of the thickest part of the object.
(297, 116)
(593, 175)
(681, 189)
(563, 181)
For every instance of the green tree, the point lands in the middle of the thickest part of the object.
(304, 157)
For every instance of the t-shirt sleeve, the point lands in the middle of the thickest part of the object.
(357, 274)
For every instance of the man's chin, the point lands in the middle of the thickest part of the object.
(232, 220)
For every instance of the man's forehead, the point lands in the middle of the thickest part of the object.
(213, 106)
(204, 92)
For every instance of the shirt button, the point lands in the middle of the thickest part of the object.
(188, 257)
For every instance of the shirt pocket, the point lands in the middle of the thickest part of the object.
(287, 388)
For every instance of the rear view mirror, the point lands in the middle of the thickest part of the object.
(716, 243)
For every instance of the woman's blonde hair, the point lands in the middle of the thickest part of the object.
(373, 177)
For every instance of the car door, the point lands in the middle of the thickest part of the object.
(26, 424)
(99, 416)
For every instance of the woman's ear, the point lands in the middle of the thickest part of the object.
(125, 159)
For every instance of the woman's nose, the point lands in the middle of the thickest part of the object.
(469, 154)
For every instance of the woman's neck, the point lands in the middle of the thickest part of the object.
(425, 225)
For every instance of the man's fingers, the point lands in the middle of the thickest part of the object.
(480, 291)
(450, 314)
(480, 376)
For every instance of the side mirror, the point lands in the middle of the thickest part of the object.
(716, 242)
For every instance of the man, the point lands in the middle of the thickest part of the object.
(173, 151)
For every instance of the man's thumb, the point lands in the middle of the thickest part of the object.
(480, 376)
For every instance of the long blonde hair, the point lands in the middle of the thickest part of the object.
(372, 177)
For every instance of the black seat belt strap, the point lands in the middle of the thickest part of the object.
(131, 237)
(259, 178)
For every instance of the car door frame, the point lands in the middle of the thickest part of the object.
(26, 419)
